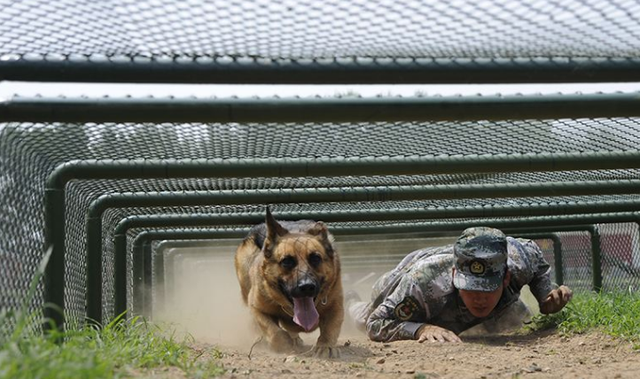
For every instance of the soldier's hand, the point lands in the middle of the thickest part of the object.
(556, 300)
(432, 333)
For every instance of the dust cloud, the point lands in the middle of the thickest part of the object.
(203, 296)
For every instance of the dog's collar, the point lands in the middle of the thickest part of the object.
(285, 310)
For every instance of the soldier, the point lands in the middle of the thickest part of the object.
(436, 293)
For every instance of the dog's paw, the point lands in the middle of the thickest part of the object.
(323, 352)
(298, 344)
(282, 342)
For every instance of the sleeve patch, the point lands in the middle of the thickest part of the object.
(406, 309)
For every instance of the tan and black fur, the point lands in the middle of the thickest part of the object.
(278, 260)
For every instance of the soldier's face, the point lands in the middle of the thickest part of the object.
(481, 303)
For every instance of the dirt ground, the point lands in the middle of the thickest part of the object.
(204, 300)
(536, 356)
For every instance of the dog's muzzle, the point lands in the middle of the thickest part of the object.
(302, 297)
(305, 288)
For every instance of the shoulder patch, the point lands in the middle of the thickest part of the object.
(406, 309)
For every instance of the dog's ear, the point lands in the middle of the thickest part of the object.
(321, 232)
(274, 232)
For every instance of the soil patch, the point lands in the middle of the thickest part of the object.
(538, 355)
(205, 301)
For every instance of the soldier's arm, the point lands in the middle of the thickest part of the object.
(556, 300)
(397, 317)
(550, 298)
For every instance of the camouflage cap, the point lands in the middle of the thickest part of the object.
(481, 259)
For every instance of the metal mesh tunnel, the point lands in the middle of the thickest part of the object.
(95, 203)
(121, 186)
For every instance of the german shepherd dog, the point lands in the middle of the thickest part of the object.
(289, 274)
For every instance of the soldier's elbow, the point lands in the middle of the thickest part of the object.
(373, 336)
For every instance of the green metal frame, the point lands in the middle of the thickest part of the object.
(347, 109)
(291, 167)
(94, 223)
(143, 255)
(347, 70)
(557, 252)
(596, 253)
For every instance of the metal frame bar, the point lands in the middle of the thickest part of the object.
(596, 260)
(322, 167)
(170, 267)
(557, 253)
(147, 258)
(347, 109)
(351, 70)
(596, 251)
(158, 268)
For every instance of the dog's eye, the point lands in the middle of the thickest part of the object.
(315, 259)
(288, 262)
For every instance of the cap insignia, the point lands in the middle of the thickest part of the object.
(477, 268)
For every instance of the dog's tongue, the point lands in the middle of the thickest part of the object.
(305, 313)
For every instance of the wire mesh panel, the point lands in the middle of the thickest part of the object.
(232, 40)
(620, 256)
(21, 220)
(577, 260)
(547, 247)
(307, 29)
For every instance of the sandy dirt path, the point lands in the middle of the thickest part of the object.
(537, 356)
(205, 301)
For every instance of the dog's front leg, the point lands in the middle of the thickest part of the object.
(278, 339)
(330, 326)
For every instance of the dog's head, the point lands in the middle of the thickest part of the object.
(302, 265)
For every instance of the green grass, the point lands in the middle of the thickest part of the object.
(118, 350)
(616, 314)
(121, 349)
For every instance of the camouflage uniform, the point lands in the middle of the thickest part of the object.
(421, 289)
